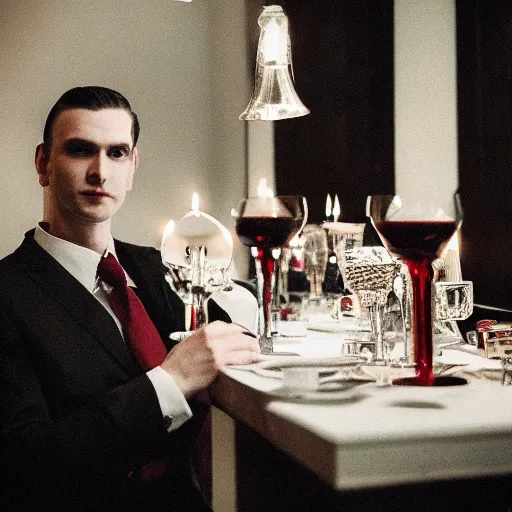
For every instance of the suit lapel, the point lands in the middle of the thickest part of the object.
(141, 271)
(145, 268)
(72, 296)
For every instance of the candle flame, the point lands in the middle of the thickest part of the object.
(276, 253)
(169, 229)
(295, 241)
(454, 241)
(328, 206)
(263, 189)
(195, 204)
(336, 211)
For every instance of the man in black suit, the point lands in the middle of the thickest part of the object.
(83, 426)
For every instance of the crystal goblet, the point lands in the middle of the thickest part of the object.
(417, 234)
(370, 273)
(266, 224)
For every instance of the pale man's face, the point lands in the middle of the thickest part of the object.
(90, 167)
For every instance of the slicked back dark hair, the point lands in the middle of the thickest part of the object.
(90, 98)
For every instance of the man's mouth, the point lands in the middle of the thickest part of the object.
(99, 192)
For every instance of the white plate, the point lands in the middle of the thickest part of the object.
(270, 362)
(337, 326)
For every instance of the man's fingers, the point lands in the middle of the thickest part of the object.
(231, 328)
(242, 357)
(245, 343)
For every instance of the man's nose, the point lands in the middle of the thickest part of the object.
(97, 172)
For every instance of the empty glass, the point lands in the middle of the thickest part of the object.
(347, 236)
(370, 273)
(316, 252)
(453, 301)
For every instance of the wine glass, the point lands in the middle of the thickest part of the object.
(417, 235)
(370, 273)
(316, 252)
(266, 224)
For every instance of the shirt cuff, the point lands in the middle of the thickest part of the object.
(174, 406)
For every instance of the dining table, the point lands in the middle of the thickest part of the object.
(360, 443)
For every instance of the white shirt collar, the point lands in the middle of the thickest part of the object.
(80, 262)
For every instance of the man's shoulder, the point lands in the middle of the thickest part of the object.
(8, 265)
(11, 262)
(14, 273)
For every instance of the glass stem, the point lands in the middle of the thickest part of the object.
(421, 276)
(267, 263)
(376, 318)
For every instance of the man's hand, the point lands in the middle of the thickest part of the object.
(195, 361)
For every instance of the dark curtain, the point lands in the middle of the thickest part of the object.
(484, 72)
(343, 60)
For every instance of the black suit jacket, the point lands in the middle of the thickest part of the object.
(77, 413)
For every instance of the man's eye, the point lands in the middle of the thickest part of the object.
(118, 153)
(79, 150)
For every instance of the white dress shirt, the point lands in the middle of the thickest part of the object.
(82, 264)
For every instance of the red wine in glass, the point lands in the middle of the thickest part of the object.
(258, 225)
(418, 243)
(266, 231)
(416, 240)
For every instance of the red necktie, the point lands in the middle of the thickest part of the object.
(138, 329)
(140, 332)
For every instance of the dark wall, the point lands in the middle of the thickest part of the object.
(484, 49)
(343, 60)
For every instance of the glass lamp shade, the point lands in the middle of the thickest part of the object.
(274, 96)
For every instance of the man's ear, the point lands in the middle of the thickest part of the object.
(41, 166)
(135, 165)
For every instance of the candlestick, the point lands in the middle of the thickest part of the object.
(197, 250)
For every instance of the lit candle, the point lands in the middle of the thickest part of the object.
(336, 211)
(263, 189)
(452, 268)
(195, 204)
(168, 231)
(453, 242)
(328, 207)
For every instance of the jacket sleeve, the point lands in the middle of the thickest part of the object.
(110, 433)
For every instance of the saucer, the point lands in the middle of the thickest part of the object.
(329, 392)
